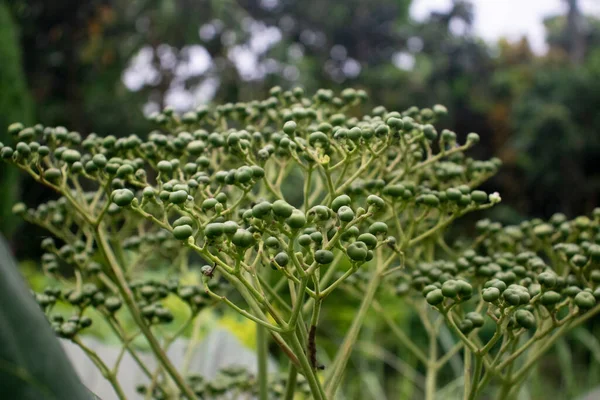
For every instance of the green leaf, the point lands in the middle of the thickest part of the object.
(33, 365)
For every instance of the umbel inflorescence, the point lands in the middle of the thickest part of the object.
(287, 203)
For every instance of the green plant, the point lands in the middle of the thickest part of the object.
(379, 192)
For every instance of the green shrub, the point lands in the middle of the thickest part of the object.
(379, 192)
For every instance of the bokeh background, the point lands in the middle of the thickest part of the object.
(524, 74)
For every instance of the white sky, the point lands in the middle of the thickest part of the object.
(512, 19)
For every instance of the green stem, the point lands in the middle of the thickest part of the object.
(339, 365)
(262, 350)
(467, 374)
(476, 377)
(290, 386)
(102, 367)
(431, 375)
(135, 313)
(309, 373)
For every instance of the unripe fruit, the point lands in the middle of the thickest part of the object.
(490, 294)
(466, 326)
(122, 197)
(369, 239)
(476, 319)
(112, 303)
(585, 300)
(70, 156)
(343, 200)
(289, 127)
(345, 214)
(434, 297)
(209, 204)
(394, 191)
(378, 228)
(375, 201)
(165, 167)
(182, 232)
(297, 220)
(547, 279)
(214, 230)
(357, 251)
(178, 197)
(525, 319)
(261, 210)
(324, 257)
(230, 227)
(282, 209)
(282, 259)
(243, 239)
(479, 196)
(450, 288)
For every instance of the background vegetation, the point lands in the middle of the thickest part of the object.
(99, 65)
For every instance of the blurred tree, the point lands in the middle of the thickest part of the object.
(553, 120)
(98, 64)
(15, 105)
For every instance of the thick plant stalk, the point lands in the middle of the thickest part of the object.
(313, 381)
(262, 352)
(341, 360)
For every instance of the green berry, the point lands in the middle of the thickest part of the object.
(585, 300)
(525, 319)
(70, 156)
(182, 232)
(165, 167)
(357, 251)
(394, 191)
(112, 304)
(369, 239)
(475, 318)
(453, 194)
(479, 196)
(282, 209)
(230, 227)
(261, 210)
(243, 175)
(466, 326)
(214, 230)
(209, 204)
(52, 174)
(450, 288)
(122, 197)
(434, 297)
(345, 214)
(243, 239)
(324, 257)
(375, 201)
(490, 294)
(178, 197)
(297, 220)
(282, 259)
(289, 127)
(378, 228)
(343, 200)
(430, 200)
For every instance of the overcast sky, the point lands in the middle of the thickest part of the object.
(508, 18)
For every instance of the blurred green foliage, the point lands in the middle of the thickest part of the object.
(15, 105)
(98, 65)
